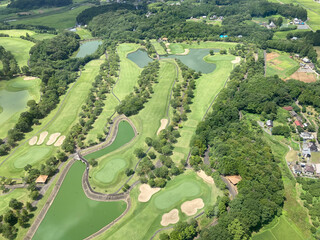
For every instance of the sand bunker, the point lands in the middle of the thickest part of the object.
(146, 192)
(164, 123)
(42, 136)
(33, 140)
(191, 207)
(29, 78)
(237, 60)
(205, 177)
(60, 141)
(171, 217)
(53, 137)
(186, 51)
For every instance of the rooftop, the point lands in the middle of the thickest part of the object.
(42, 179)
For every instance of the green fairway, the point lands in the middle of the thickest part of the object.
(158, 47)
(17, 32)
(19, 194)
(176, 48)
(74, 216)
(83, 33)
(283, 230)
(282, 65)
(143, 219)
(186, 189)
(14, 95)
(129, 71)
(124, 135)
(109, 172)
(62, 20)
(208, 86)
(147, 123)
(34, 155)
(18, 47)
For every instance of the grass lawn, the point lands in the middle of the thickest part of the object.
(20, 194)
(83, 33)
(315, 157)
(159, 49)
(282, 65)
(129, 71)
(147, 123)
(60, 21)
(143, 219)
(62, 123)
(207, 87)
(283, 34)
(179, 47)
(282, 230)
(18, 47)
(14, 96)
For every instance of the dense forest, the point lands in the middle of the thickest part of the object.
(31, 4)
(9, 64)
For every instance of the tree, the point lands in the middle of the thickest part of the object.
(139, 153)
(235, 228)
(15, 204)
(10, 217)
(211, 52)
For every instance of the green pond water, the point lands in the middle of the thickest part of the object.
(194, 59)
(72, 216)
(124, 135)
(88, 48)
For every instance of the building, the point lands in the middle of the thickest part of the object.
(294, 38)
(269, 123)
(298, 123)
(306, 152)
(42, 179)
(272, 25)
(234, 179)
(164, 39)
(293, 113)
(288, 108)
(306, 60)
(297, 169)
(309, 170)
(306, 136)
(305, 125)
(299, 118)
(313, 147)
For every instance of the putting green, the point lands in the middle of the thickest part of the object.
(166, 199)
(108, 173)
(34, 155)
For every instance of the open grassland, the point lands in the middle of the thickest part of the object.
(16, 33)
(18, 47)
(129, 71)
(83, 33)
(60, 123)
(313, 9)
(143, 219)
(15, 94)
(281, 64)
(158, 47)
(60, 21)
(147, 123)
(283, 34)
(282, 230)
(180, 47)
(208, 86)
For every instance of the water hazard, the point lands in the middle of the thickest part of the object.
(88, 48)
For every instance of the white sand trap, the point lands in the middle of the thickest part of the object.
(191, 207)
(186, 51)
(42, 137)
(237, 60)
(33, 140)
(171, 217)
(29, 78)
(205, 177)
(60, 140)
(164, 123)
(146, 192)
(53, 137)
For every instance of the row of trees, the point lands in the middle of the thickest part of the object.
(9, 64)
(27, 4)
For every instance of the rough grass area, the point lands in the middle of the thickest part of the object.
(19, 194)
(18, 47)
(143, 219)
(281, 64)
(60, 21)
(83, 33)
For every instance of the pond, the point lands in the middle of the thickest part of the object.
(194, 59)
(88, 48)
(73, 216)
(124, 135)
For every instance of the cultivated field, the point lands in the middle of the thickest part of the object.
(281, 64)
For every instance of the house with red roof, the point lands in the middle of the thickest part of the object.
(298, 123)
(288, 108)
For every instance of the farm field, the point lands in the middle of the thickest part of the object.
(143, 219)
(18, 47)
(281, 64)
(58, 123)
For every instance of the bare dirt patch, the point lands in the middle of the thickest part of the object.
(146, 192)
(33, 140)
(205, 177)
(191, 207)
(164, 123)
(29, 78)
(42, 136)
(303, 77)
(271, 56)
(60, 140)
(53, 137)
(237, 60)
(171, 217)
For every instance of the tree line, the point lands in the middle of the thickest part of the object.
(32, 4)
(9, 64)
